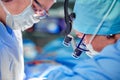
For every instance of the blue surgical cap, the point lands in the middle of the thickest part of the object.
(89, 14)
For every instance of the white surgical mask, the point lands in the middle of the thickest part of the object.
(91, 52)
(21, 21)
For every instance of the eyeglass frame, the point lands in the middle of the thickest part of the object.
(45, 13)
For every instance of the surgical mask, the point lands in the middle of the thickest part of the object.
(24, 20)
(91, 53)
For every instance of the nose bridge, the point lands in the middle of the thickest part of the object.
(37, 5)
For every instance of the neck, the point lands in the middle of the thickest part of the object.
(2, 15)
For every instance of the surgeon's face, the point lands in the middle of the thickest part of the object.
(98, 43)
(46, 4)
(20, 5)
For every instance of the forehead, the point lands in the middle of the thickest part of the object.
(78, 33)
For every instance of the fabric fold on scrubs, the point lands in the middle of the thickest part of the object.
(11, 58)
(104, 66)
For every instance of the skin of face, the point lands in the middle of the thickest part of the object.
(46, 4)
(98, 43)
(20, 5)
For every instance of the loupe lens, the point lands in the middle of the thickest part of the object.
(67, 41)
(79, 50)
(77, 53)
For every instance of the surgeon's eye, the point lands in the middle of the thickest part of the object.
(111, 36)
(67, 40)
(36, 7)
(6, 0)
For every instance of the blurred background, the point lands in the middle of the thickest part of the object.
(43, 48)
(47, 29)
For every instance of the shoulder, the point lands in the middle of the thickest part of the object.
(1, 24)
(112, 50)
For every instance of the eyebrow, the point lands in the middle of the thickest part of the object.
(6, 0)
(38, 3)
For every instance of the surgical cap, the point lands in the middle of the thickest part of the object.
(89, 14)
